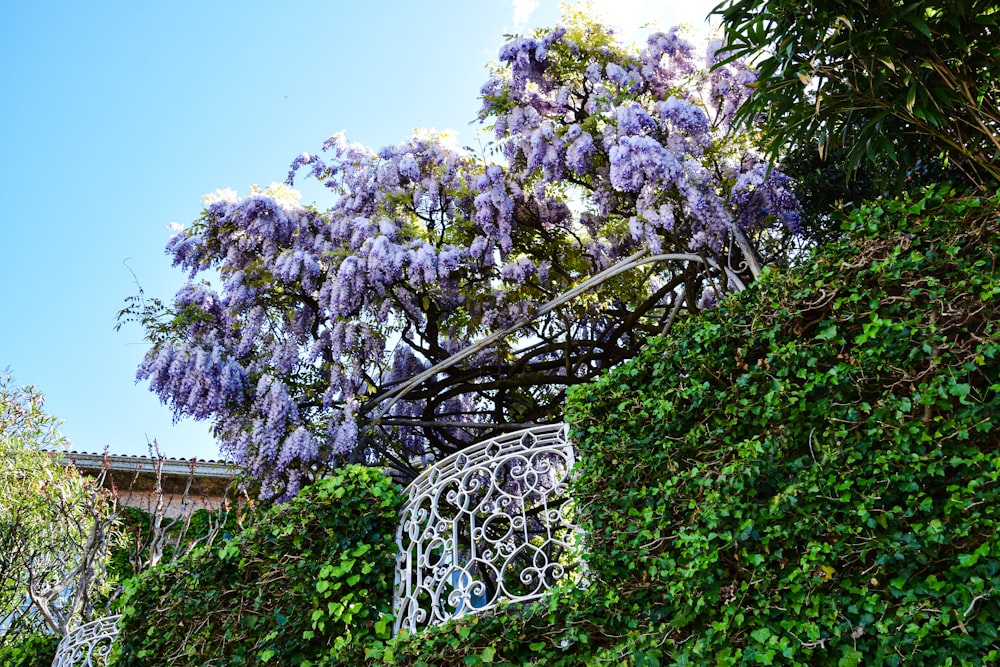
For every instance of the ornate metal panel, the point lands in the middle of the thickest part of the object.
(88, 645)
(486, 525)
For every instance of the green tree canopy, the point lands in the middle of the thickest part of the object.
(26, 432)
(906, 80)
(53, 522)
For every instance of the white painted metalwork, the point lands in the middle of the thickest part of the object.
(489, 524)
(390, 397)
(88, 645)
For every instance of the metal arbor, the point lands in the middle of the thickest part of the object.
(88, 645)
(486, 525)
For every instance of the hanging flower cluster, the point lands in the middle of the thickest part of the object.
(643, 136)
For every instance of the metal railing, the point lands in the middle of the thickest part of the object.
(486, 525)
(88, 645)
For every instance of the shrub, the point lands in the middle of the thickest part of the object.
(571, 627)
(179, 536)
(310, 581)
(809, 474)
(29, 650)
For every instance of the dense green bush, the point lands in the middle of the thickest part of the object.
(311, 581)
(30, 650)
(808, 475)
(571, 627)
(132, 553)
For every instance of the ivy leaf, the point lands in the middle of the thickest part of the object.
(851, 658)
(828, 332)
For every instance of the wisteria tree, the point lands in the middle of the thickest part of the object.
(445, 295)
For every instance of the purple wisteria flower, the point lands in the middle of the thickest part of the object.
(298, 322)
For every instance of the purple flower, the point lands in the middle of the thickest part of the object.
(408, 167)
(626, 79)
(424, 248)
(518, 271)
(633, 120)
(685, 116)
(761, 194)
(638, 160)
(299, 445)
(580, 153)
(709, 298)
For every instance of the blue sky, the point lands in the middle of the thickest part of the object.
(116, 117)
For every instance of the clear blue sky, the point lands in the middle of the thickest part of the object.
(117, 116)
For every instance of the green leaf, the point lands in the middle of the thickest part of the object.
(851, 658)
(829, 332)
(645, 659)
(911, 97)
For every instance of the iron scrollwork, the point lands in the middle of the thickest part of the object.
(88, 645)
(486, 525)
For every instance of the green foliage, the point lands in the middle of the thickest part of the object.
(53, 523)
(30, 650)
(309, 583)
(569, 628)
(181, 536)
(26, 432)
(27, 435)
(823, 188)
(809, 474)
(881, 79)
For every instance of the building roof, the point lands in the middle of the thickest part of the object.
(85, 461)
(137, 474)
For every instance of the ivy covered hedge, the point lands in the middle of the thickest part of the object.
(135, 525)
(309, 582)
(29, 650)
(807, 475)
(810, 474)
